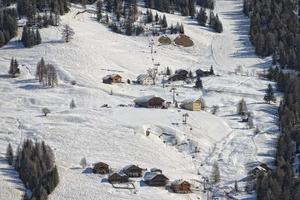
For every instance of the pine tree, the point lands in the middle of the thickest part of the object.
(72, 104)
(38, 39)
(269, 96)
(99, 10)
(164, 22)
(211, 71)
(9, 154)
(215, 175)
(2, 39)
(198, 83)
(67, 33)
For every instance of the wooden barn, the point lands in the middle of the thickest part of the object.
(181, 186)
(202, 73)
(132, 171)
(149, 102)
(180, 75)
(112, 78)
(118, 178)
(192, 104)
(101, 168)
(155, 179)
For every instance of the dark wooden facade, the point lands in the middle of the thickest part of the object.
(181, 186)
(118, 178)
(101, 168)
(149, 102)
(156, 180)
(133, 171)
(114, 78)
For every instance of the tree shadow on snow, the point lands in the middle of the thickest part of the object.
(12, 175)
(32, 87)
(5, 76)
(88, 170)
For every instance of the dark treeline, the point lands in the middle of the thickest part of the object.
(31, 37)
(8, 25)
(274, 30)
(30, 8)
(185, 7)
(282, 183)
(36, 166)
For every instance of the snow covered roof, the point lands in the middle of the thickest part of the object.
(142, 77)
(145, 99)
(179, 181)
(129, 166)
(151, 175)
(110, 76)
(191, 100)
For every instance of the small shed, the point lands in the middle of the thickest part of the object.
(155, 179)
(118, 178)
(112, 78)
(132, 171)
(149, 102)
(144, 79)
(101, 168)
(181, 186)
(192, 104)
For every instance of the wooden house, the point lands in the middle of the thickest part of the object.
(155, 179)
(179, 75)
(113, 78)
(132, 171)
(144, 79)
(118, 178)
(192, 104)
(149, 102)
(181, 186)
(202, 73)
(101, 168)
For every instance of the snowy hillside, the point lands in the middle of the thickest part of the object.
(115, 134)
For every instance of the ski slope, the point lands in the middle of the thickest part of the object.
(116, 135)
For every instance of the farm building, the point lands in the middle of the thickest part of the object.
(181, 186)
(180, 75)
(202, 73)
(118, 178)
(149, 102)
(144, 79)
(101, 168)
(155, 179)
(192, 104)
(132, 171)
(113, 78)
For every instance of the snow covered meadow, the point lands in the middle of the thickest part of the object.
(115, 134)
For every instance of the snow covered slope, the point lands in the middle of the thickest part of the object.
(116, 135)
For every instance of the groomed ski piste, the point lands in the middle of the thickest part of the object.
(116, 135)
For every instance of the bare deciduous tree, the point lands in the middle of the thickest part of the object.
(45, 111)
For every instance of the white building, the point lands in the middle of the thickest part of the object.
(144, 79)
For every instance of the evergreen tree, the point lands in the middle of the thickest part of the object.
(164, 22)
(9, 154)
(269, 96)
(2, 39)
(202, 17)
(215, 175)
(72, 104)
(198, 83)
(67, 33)
(211, 71)
(99, 10)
